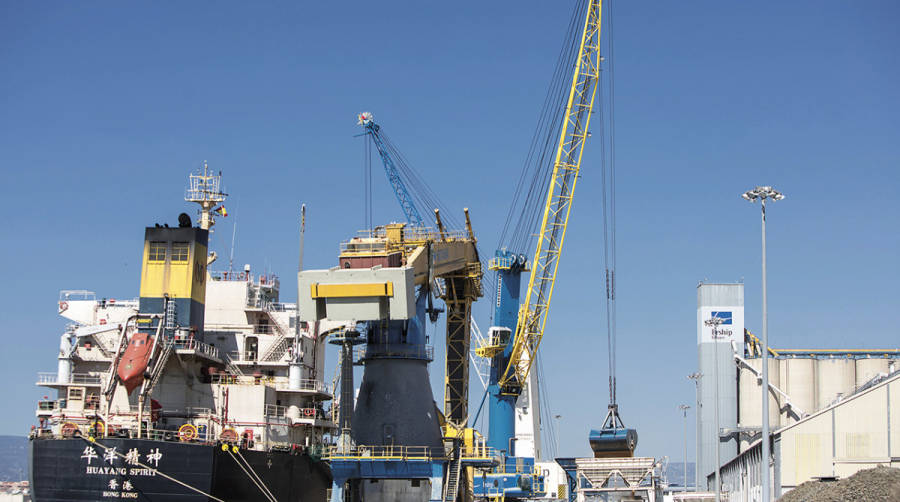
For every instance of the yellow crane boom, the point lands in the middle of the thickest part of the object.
(533, 312)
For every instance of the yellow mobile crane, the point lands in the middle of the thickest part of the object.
(514, 339)
(513, 354)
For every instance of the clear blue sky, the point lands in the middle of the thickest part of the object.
(107, 106)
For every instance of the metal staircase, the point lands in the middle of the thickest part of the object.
(159, 366)
(280, 345)
(451, 490)
(231, 367)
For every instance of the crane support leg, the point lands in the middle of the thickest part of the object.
(458, 297)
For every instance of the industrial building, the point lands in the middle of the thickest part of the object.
(830, 410)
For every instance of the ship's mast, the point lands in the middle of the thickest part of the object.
(205, 189)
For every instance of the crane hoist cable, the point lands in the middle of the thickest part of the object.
(523, 215)
(608, 177)
(613, 439)
(538, 164)
(533, 313)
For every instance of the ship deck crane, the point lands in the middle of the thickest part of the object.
(461, 283)
(373, 130)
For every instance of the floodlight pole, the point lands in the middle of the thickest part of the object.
(696, 378)
(684, 408)
(762, 193)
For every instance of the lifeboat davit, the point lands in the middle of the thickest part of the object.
(134, 361)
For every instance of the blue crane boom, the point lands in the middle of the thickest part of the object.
(373, 130)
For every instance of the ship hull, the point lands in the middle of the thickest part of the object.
(75, 470)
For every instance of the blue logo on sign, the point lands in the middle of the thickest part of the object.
(724, 316)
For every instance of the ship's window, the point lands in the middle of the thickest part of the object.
(179, 251)
(76, 393)
(157, 251)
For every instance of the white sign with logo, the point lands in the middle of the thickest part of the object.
(720, 324)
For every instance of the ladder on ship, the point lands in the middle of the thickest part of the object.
(454, 468)
(170, 316)
(158, 367)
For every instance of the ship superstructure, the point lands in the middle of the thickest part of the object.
(206, 366)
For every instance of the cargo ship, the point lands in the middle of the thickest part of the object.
(205, 387)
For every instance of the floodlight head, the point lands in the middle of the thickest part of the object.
(762, 192)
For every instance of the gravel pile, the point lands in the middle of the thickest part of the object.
(881, 484)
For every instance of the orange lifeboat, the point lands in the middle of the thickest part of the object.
(134, 361)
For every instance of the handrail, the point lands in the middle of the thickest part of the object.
(383, 351)
(386, 452)
(193, 344)
(45, 377)
(281, 383)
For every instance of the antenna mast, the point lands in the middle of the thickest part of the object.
(205, 190)
(302, 232)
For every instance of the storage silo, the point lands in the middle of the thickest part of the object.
(720, 333)
(799, 378)
(868, 368)
(834, 376)
(750, 397)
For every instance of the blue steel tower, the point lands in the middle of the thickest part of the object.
(502, 402)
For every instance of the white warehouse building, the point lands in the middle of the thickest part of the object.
(831, 412)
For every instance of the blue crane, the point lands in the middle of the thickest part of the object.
(373, 130)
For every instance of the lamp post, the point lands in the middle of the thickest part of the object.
(558, 431)
(696, 378)
(714, 323)
(684, 408)
(762, 193)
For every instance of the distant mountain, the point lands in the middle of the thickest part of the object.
(13, 458)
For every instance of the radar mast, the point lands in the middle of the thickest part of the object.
(205, 189)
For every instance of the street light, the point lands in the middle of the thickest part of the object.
(696, 378)
(684, 408)
(762, 193)
(558, 431)
(714, 323)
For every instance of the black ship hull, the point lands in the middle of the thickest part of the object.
(76, 470)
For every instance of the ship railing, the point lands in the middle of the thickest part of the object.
(112, 303)
(71, 295)
(386, 452)
(277, 410)
(187, 412)
(385, 351)
(306, 384)
(243, 356)
(196, 345)
(280, 383)
(374, 240)
(226, 275)
(282, 307)
(480, 451)
(75, 379)
(268, 280)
